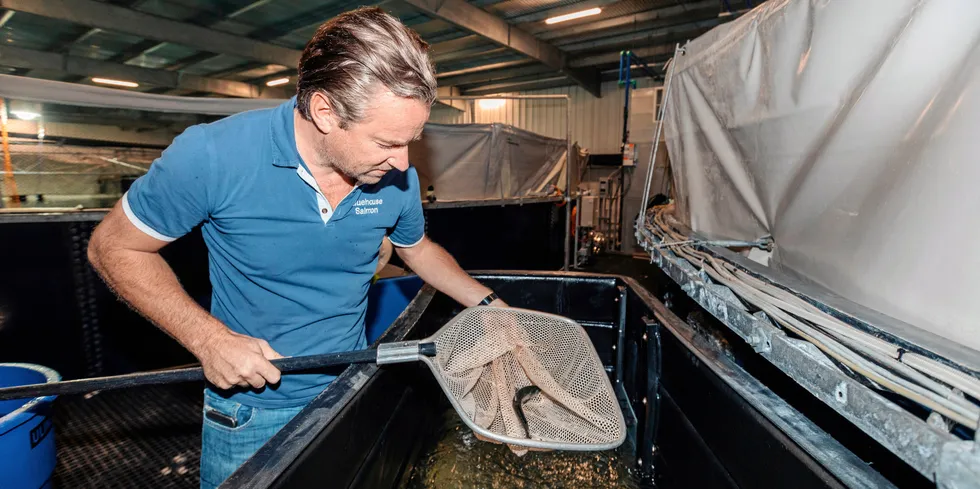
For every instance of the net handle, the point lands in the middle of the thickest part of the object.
(381, 355)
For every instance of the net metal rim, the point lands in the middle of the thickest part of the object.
(526, 442)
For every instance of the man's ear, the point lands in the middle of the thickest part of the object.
(322, 114)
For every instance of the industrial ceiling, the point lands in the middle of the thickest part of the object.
(234, 48)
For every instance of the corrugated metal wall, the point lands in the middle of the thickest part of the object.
(596, 123)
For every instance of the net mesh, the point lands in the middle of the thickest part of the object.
(487, 356)
(46, 174)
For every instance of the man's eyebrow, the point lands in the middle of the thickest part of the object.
(393, 142)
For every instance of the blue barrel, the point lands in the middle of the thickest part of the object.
(387, 298)
(27, 450)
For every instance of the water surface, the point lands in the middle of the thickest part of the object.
(454, 458)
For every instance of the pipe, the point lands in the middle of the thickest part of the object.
(578, 224)
(641, 218)
(568, 177)
(10, 185)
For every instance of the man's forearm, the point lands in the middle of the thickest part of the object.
(438, 268)
(147, 283)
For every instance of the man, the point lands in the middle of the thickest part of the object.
(293, 203)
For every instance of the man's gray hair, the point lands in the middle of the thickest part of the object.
(351, 54)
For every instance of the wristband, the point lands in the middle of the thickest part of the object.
(488, 299)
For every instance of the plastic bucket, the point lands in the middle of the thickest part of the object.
(27, 448)
(387, 298)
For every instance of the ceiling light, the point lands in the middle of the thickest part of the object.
(492, 103)
(277, 82)
(25, 115)
(117, 83)
(573, 15)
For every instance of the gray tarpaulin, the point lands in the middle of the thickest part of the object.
(848, 131)
(487, 161)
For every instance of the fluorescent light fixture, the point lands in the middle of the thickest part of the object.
(492, 103)
(116, 83)
(573, 15)
(25, 115)
(277, 82)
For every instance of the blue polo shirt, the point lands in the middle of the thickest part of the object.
(285, 266)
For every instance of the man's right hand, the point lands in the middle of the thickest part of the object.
(230, 359)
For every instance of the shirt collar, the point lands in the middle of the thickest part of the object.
(285, 153)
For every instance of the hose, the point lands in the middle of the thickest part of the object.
(888, 365)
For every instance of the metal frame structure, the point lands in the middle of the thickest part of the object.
(506, 43)
(937, 454)
(568, 150)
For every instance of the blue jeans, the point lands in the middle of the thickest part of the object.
(232, 433)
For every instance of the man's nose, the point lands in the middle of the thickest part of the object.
(400, 160)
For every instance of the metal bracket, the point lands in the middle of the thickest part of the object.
(398, 352)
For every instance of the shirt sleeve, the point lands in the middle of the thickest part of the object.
(410, 227)
(172, 198)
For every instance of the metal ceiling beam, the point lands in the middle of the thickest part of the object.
(136, 50)
(477, 52)
(656, 68)
(187, 61)
(458, 44)
(110, 17)
(647, 37)
(87, 67)
(554, 12)
(677, 14)
(478, 21)
(270, 70)
(497, 75)
(66, 47)
(647, 54)
(516, 78)
(270, 32)
(682, 12)
(482, 68)
(538, 84)
(209, 21)
(304, 19)
(450, 91)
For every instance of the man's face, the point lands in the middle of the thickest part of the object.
(369, 149)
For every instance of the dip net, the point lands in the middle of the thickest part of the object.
(527, 379)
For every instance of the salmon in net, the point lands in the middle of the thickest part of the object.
(527, 379)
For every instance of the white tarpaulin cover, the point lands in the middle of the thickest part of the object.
(847, 130)
(487, 161)
(56, 92)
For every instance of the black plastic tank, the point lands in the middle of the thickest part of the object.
(696, 419)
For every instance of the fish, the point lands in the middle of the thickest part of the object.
(522, 394)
